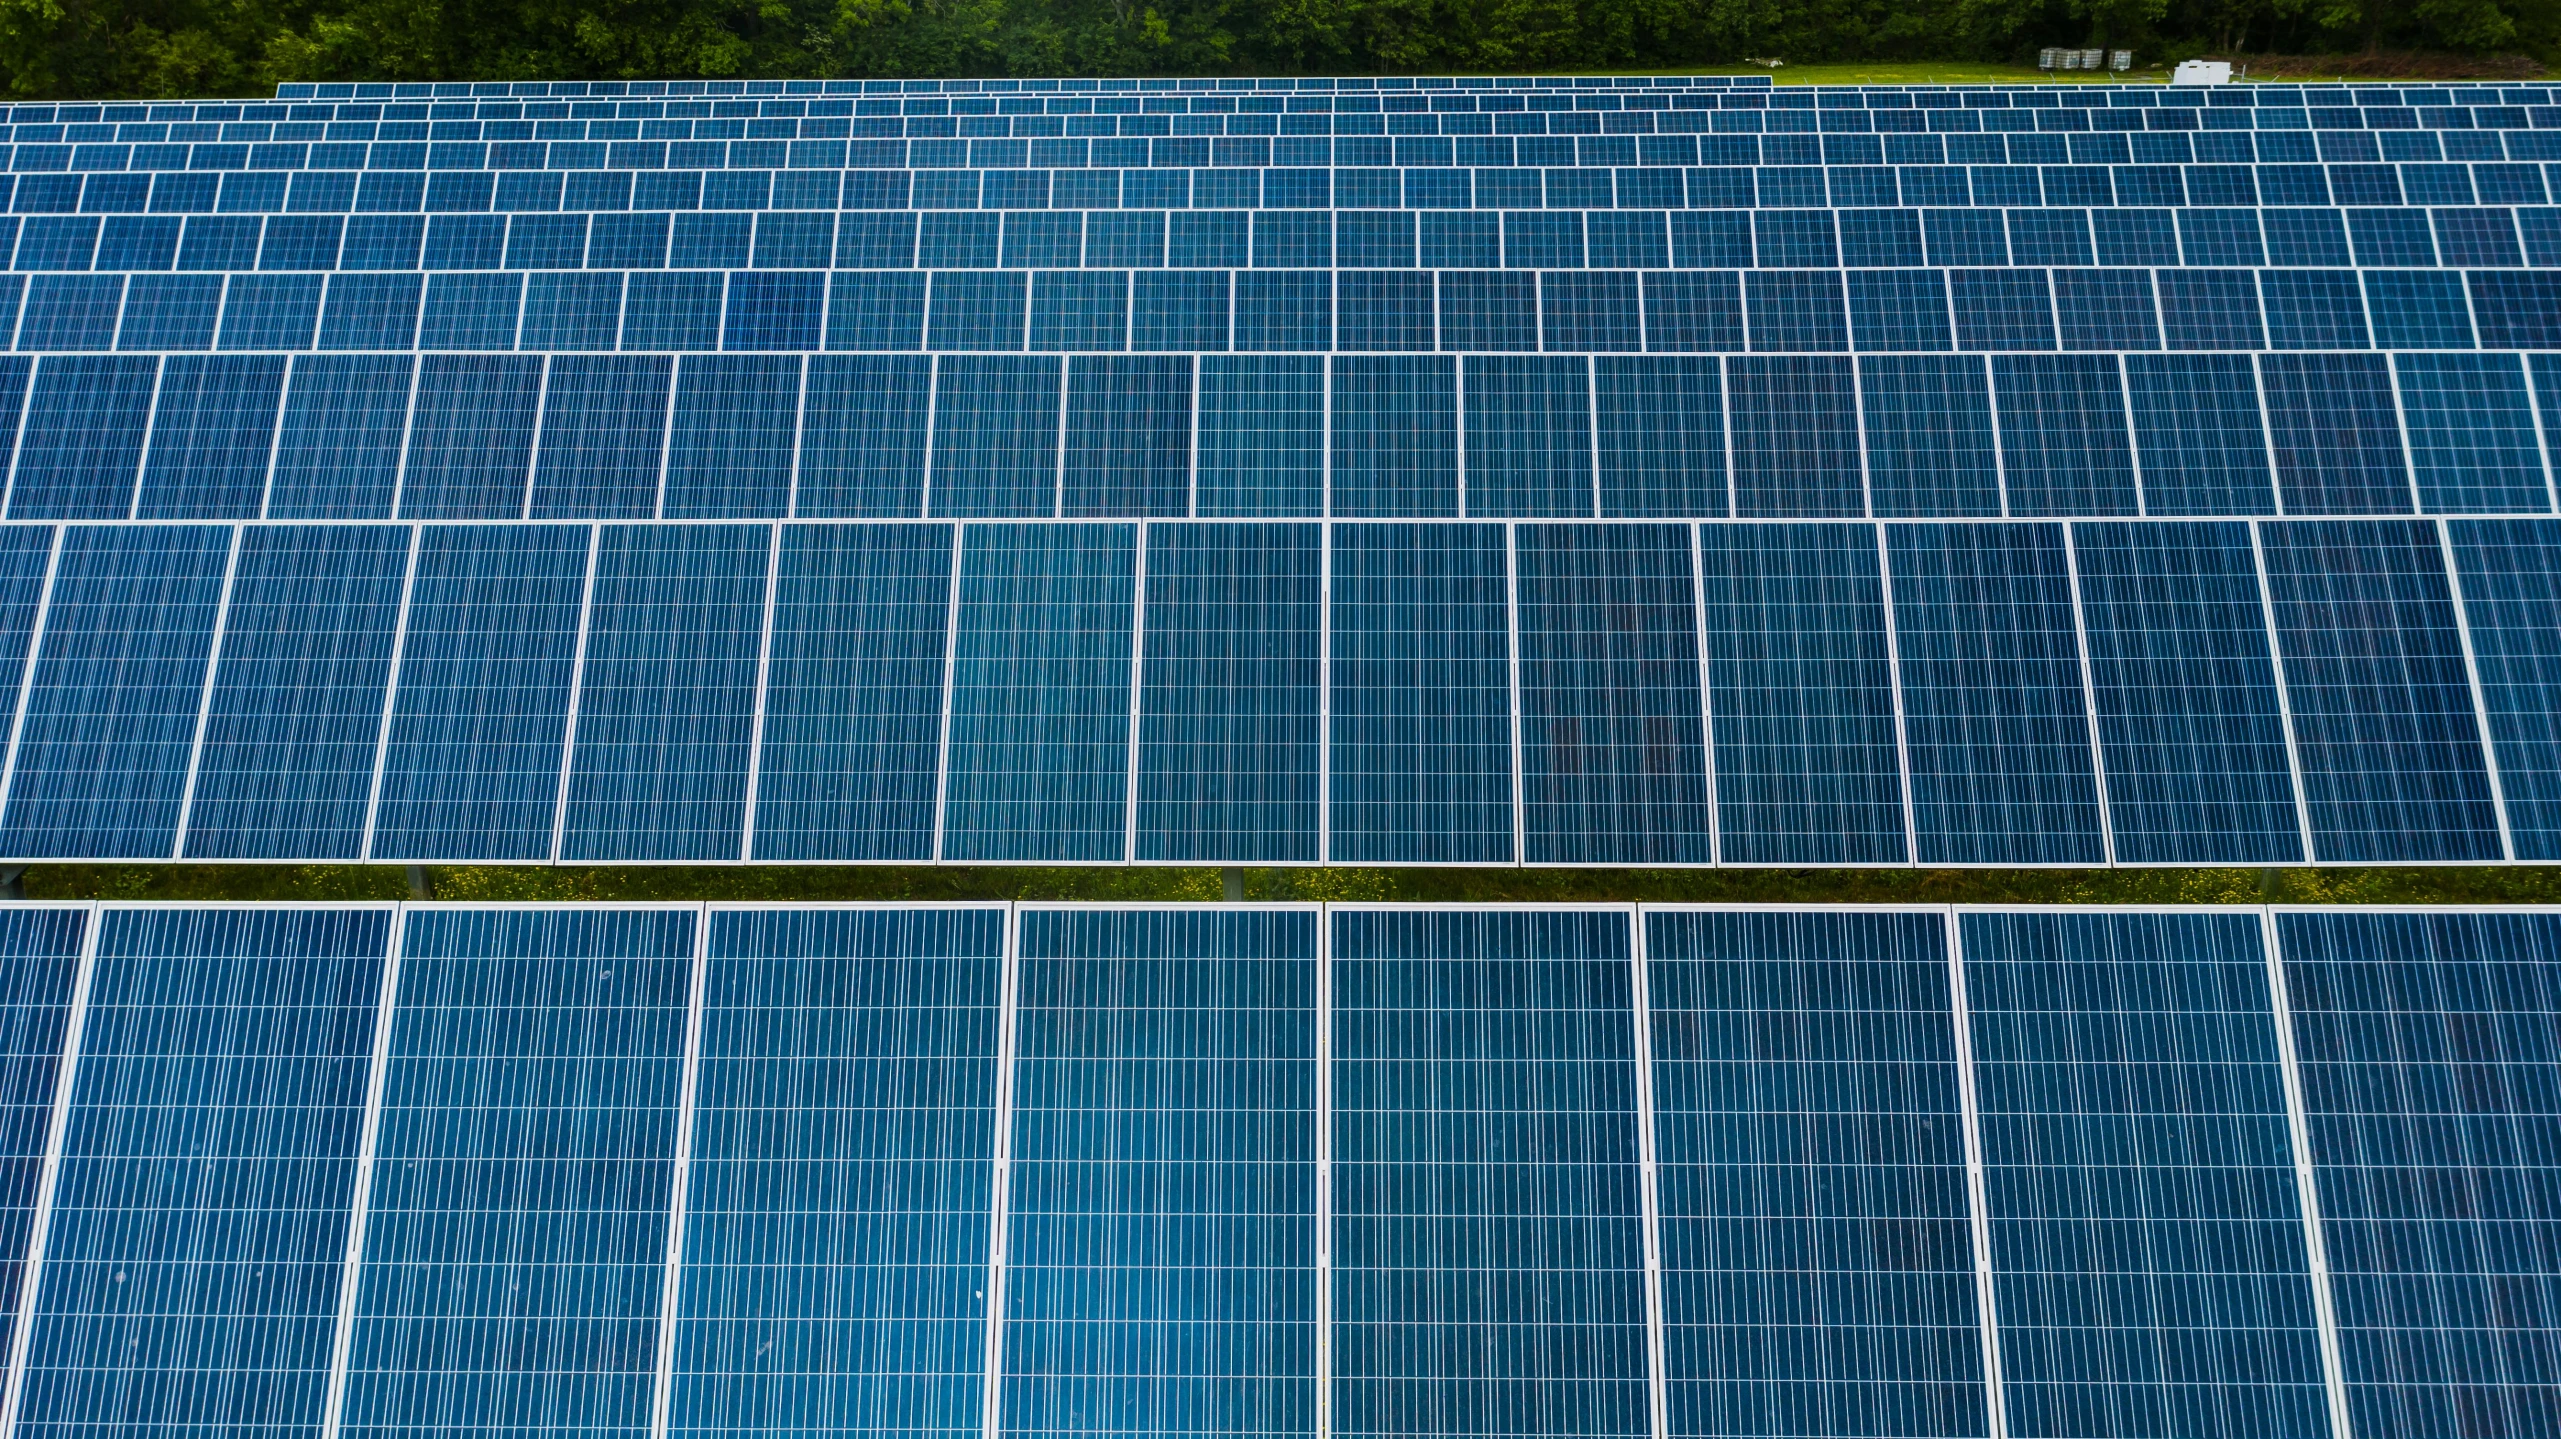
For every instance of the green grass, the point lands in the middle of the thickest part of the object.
(2468, 885)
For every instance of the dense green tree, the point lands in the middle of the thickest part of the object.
(110, 48)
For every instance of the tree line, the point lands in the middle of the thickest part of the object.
(104, 49)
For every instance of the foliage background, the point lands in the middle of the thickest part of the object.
(100, 49)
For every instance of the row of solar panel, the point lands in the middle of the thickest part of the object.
(963, 1171)
(1564, 238)
(472, 437)
(996, 311)
(801, 163)
(2137, 692)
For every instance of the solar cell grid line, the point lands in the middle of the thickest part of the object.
(1000, 1182)
(2147, 1240)
(835, 1253)
(1902, 721)
(2284, 697)
(1137, 695)
(943, 720)
(197, 1232)
(577, 689)
(20, 672)
(2133, 446)
(1817, 1274)
(2535, 406)
(359, 1204)
(390, 697)
(28, 1272)
(1640, 1012)
(1707, 746)
(2385, 721)
(515, 1247)
(2472, 679)
(2089, 701)
(756, 713)
(671, 1290)
(43, 945)
(1161, 1249)
(2306, 1181)
(1324, 1195)
(925, 476)
(150, 431)
(2401, 417)
(2424, 1039)
(1484, 1115)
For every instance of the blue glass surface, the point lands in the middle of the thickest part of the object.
(1488, 1265)
(1037, 765)
(853, 703)
(1661, 436)
(1613, 761)
(2430, 1072)
(1421, 707)
(2190, 727)
(667, 699)
(471, 764)
(2383, 721)
(2148, 1249)
(41, 947)
(1161, 1274)
(1994, 713)
(1795, 437)
(1529, 436)
(1229, 744)
(338, 452)
(116, 692)
(1801, 695)
(199, 1232)
(1818, 1269)
(2510, 571)
(516, 1240)
(1927, 423)
(836, 1207)
(286, 767)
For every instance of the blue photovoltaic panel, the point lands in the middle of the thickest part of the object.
(1229, 744)
(1928, 427)
(338, 450)
(1038, 757)
(1613, 763)
(862, 436)
(1261, 447)
(1818, 1266)
(1129, 447)
(2430, 1076)
(2064, 444)
(199, 1233)
(81, 447)
(41, 950)
(2191, 730)
(2472, 443)
(729, 441)
(286, 767)
(213, 430)
(1796, 438)
(835, 1258)
(471, 767)
(26, 552)
(1395, 436)
(2201, 437)
(2337, 441)
(854, 693)
(1421, 708)
(471, 437)
(1661, 436)
(995, 440)
(1161, 1254)
(667, 700)
(1995, 716)
(516, 1244)
(2510, 571)
(1529, 436)
(118, 685)
(2383, 722)
(2148, 1249)
(1800, 695)
(1488, 1260)
(604, 433)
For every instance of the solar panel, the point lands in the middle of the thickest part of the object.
(948, 1169)
(1697, 301)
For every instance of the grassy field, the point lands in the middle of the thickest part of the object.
(2472, 885)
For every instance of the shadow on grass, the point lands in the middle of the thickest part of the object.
(2469, 885)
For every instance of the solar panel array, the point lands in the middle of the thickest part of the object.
(984, 1170)
(1657, 470)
